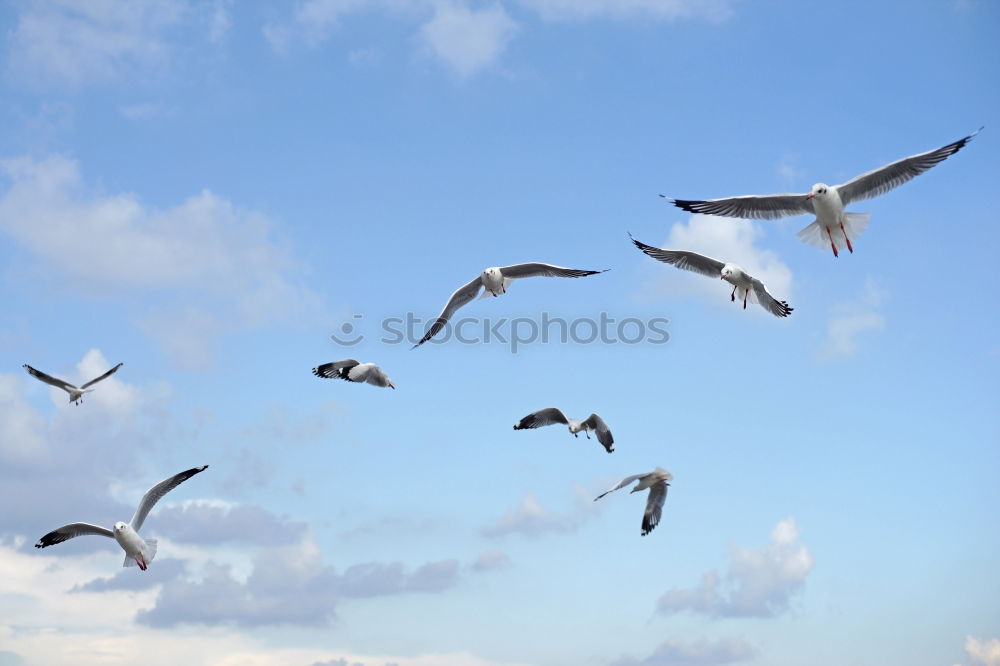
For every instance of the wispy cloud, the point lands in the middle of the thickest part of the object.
(982, 652)
(675, 652)
(713, 10)
(760, 582)
(467, 40)
(850, 321)
(529, 518)
(208, 265)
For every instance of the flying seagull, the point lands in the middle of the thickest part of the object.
(749, 287)
(827, 203)
(137, 550)
(75, 394)
(657, 482)
(353, 371)
(496, 280)
(550, 415)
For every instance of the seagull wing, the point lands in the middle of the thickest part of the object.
(769, 302)
(518, 271)
(70, 531)
(883, 179)
(654, 507)
(48, 379)
(624, 482)
(104, 376)
(751, 206)
(542, 417)
(689, 261)
(461, 296)
(154, 494)
(334, 370)
(597, 424)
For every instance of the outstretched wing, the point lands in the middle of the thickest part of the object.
(654, 507)
(104, 376)
(154, 494)
(597, 424)
(71, 531)
(542, 417)
(689, 261)
(48, 379)
(624, 482)
(769, 302)
(334, 370)
(462, 295)
(749, 207)
(518, 271)
(881, 180)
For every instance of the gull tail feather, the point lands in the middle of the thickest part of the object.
(815, 234)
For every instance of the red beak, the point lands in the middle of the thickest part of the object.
(810, 195)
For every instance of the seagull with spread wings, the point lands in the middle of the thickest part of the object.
(75, 393)
(551, 415)
(832, 223)
(750, 288)
(137, 550)
(657, 482)
(495, 280)
(352, 371)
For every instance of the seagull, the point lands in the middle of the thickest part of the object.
(75, 394)
(496, 280)
(550, 415)
(657, 482)
(137, 550)
(353, 371)
(749, 287)
(828, 203)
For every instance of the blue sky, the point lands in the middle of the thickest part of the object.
(206, 190)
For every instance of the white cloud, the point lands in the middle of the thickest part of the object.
(491, 560)
(202, 266)
(75, 43)
(850, 320)
(728, 240)
(713, 10)
(312, 21)
(530, 518)
(98, 627)
(674, 652)
(982, 652)
(760, 581)
(467, 39)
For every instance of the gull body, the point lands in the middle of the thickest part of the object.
(75, 393)
(833, 224)
(750, 288)
(494, 281)
(353, 371)
(657, 483)
(552, 415)
(138, 551)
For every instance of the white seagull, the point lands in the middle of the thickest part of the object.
(75, 393)
(657, 482)
(550, 415)
(750, 288)
(353, 371)
(496, 280)
(137, 550)
(827, 203)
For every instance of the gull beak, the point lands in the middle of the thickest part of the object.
(810, 195)
(722, 277)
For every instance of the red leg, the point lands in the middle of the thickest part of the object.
(847, 238)
(832, 244)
